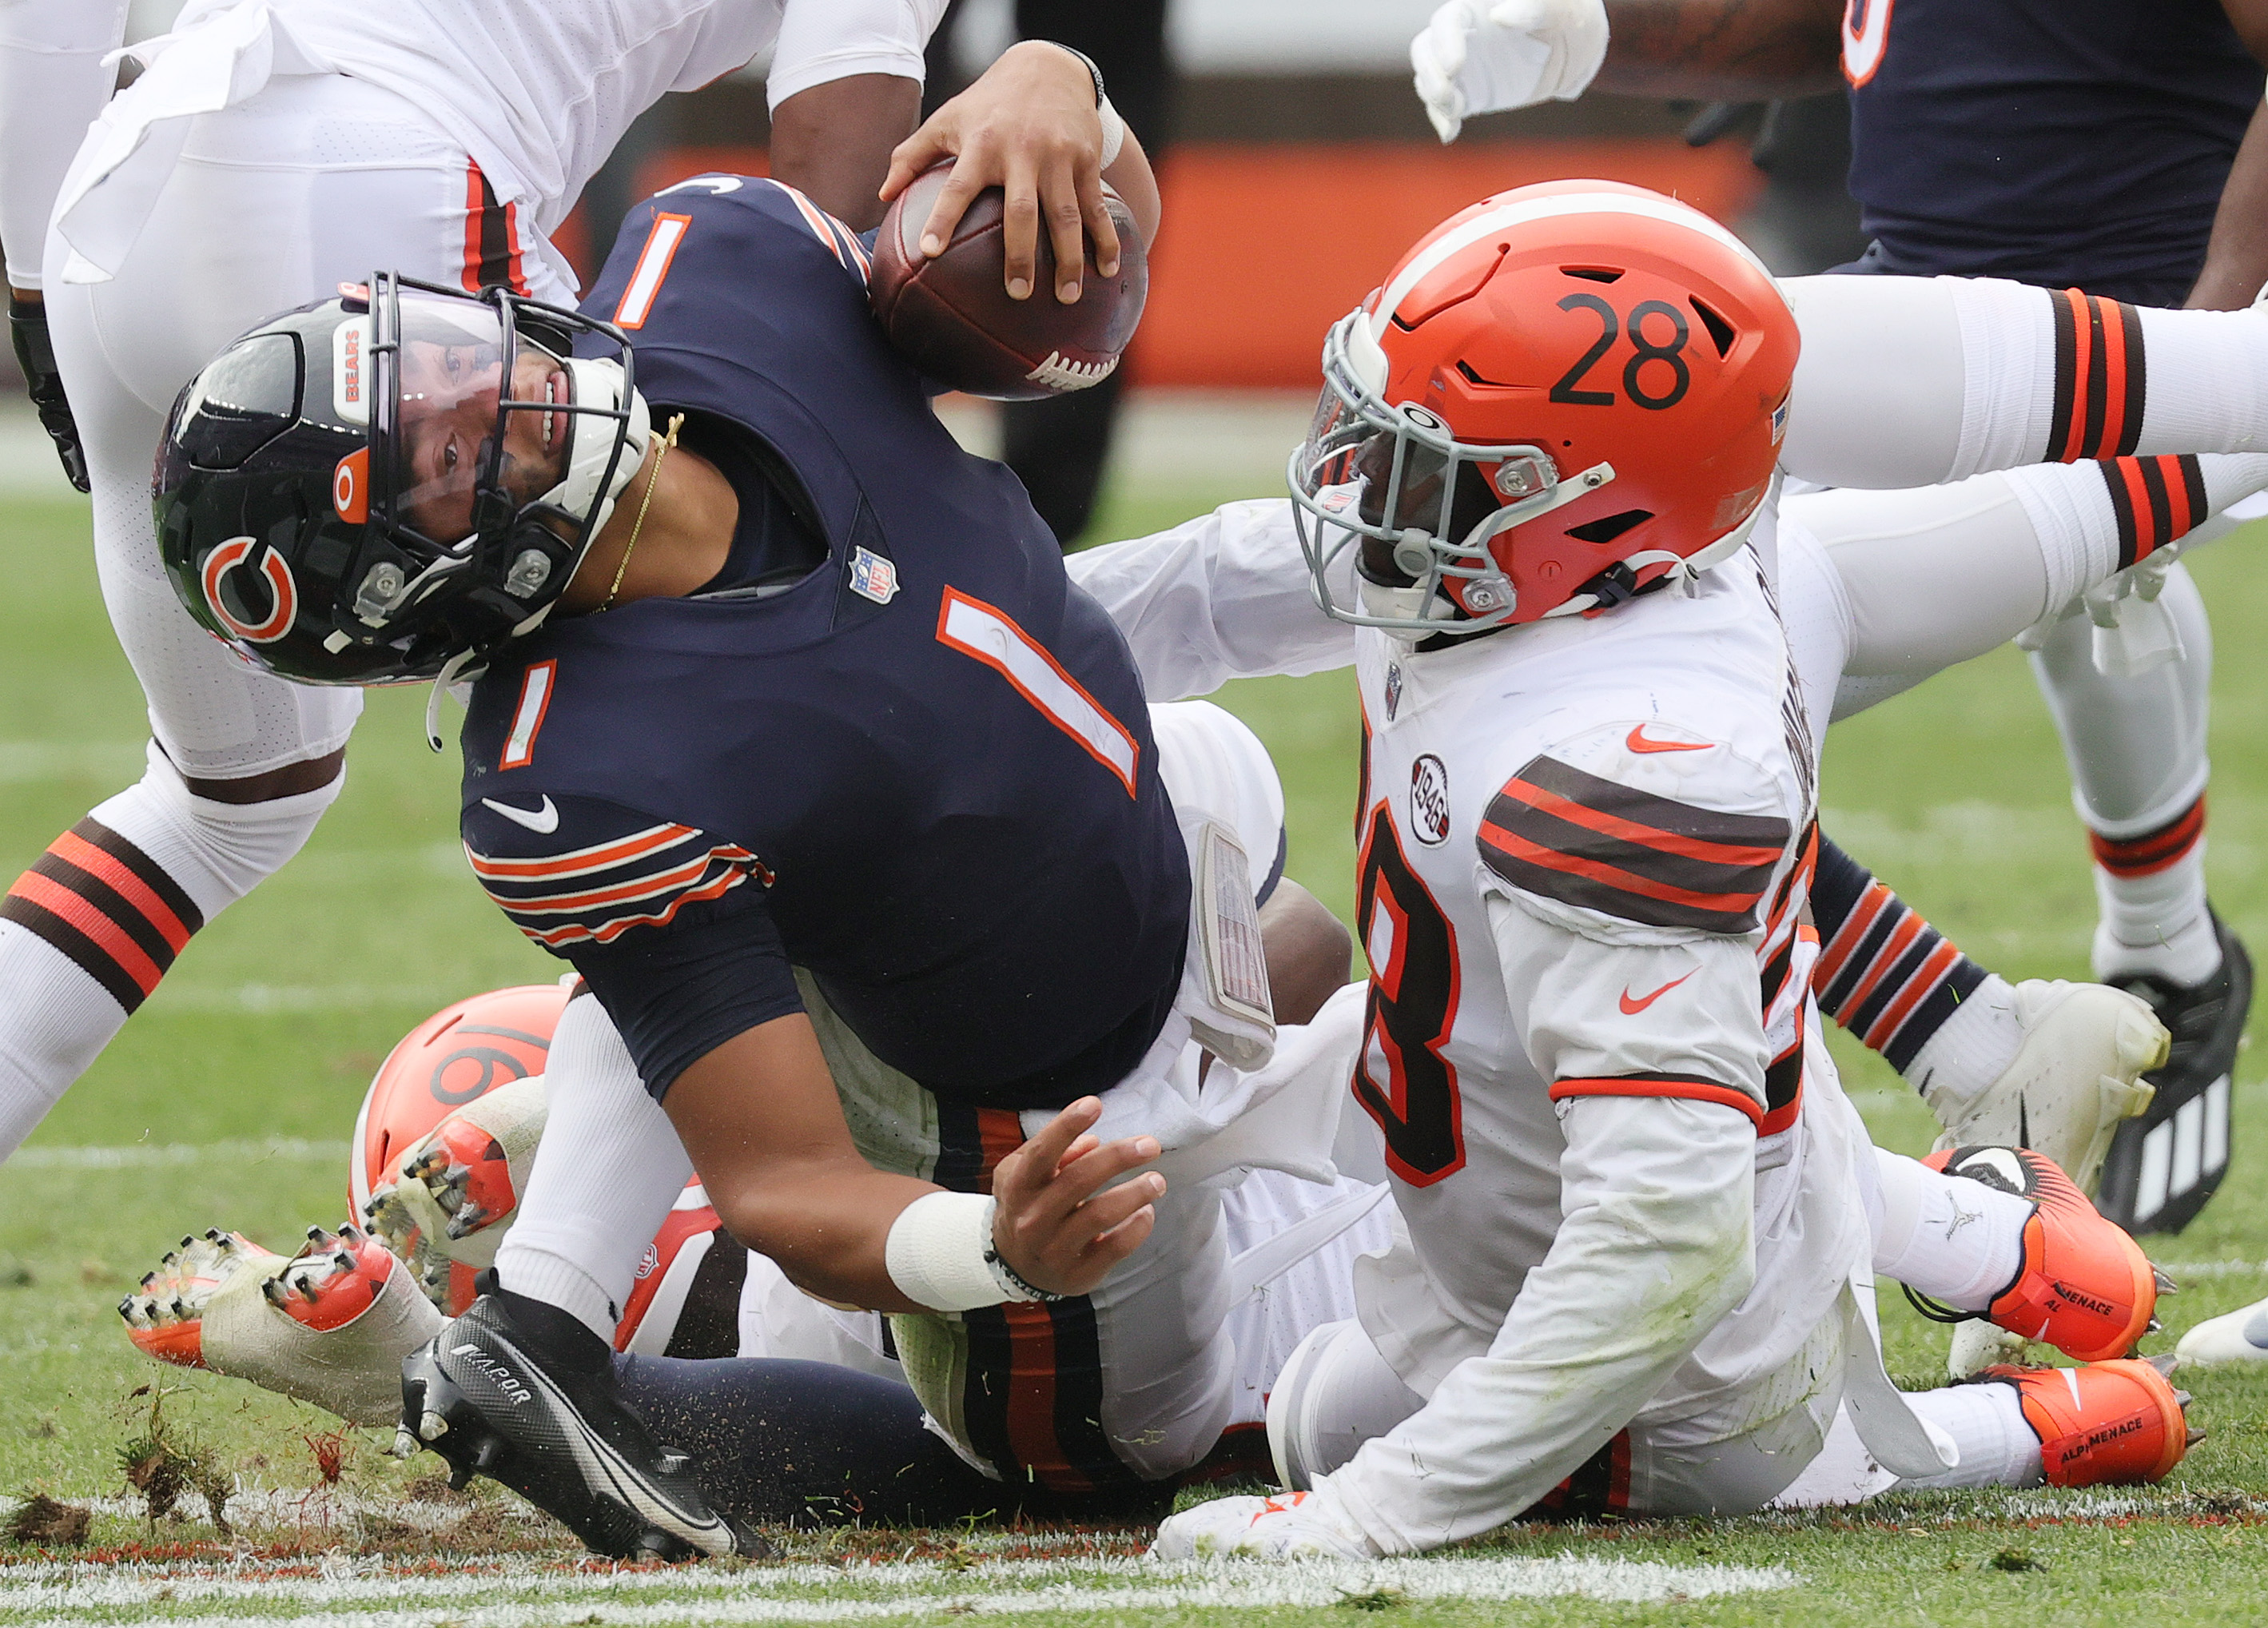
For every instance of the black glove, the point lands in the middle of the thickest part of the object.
(36, 353)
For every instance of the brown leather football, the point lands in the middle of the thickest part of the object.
(951, 318)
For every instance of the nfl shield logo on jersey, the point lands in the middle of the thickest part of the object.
(872, 577)
(1392, 690)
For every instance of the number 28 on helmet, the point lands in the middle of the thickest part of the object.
(1562, 396)
(372, 488)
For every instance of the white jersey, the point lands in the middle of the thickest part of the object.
(1585, 854)
(536, 94)
(1585, 851)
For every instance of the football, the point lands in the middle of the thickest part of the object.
(953, 319)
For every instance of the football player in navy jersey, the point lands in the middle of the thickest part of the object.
(919, 925)
(2075, 146)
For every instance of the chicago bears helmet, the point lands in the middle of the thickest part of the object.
(1562, 396)
(368, 487)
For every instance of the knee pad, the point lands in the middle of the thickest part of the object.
(215, 851)
(1336, 1392)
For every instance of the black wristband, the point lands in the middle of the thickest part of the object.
(1008, 1277)
(1090, 63)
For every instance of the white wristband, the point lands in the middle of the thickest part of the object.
(1114, 133)
(936, 1250)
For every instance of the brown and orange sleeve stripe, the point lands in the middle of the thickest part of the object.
(1558, 831)
(2155, 500)
(108, 906)
(2099, 378)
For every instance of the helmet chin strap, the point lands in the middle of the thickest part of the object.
(1682, 566)
(597, 382)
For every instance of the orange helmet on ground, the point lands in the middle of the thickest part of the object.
(460, 1054)
(1562, 395)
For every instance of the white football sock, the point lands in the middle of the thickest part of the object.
(60, 1006)
(1971, 1049)
(2157, 923)
(608, 1170)
(1946, 1236)
(1998, 1446)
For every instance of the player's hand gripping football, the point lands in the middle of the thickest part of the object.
(1029, 127)
(1058, 1222)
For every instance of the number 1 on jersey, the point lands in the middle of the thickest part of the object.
(1413, 1005)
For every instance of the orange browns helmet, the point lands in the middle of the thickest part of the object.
(458, 1055)
(1562, 395)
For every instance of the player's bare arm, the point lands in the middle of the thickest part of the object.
(1032, 127)
(2236, 258)
(1476, 57)
(1732, 49)
(832, 142)
(761, 1115)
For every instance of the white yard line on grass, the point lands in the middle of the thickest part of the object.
(159, 1155)
(89, 1593)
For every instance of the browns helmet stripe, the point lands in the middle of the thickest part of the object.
(108, 906)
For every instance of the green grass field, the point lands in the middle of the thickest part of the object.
(229, 1097)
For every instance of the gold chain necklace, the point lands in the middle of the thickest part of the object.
(653, 476)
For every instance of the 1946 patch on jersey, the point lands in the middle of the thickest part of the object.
(1429, 800)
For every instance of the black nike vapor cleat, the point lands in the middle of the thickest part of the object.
(479, 1396)
(2164, 1165)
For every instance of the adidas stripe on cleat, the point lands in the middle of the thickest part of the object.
(329, 1325)
(477, 1394)
(2165, 1166)
(2084, 1287)
(2116, 1424)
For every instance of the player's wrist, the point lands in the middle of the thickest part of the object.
(940, 1254)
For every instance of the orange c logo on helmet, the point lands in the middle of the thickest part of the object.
(283, 592)
(350, 487)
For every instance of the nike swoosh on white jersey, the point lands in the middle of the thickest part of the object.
(543, 821)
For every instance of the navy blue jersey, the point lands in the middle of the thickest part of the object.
(923, 772)
(2069, 143)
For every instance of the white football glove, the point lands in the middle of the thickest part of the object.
(1287, 1526)
(1478, 56)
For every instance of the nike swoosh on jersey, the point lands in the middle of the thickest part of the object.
(542, 822)
(1631, 1008)
(1638, 741)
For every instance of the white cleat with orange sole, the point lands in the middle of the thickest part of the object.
(329, 1325)
(2073, 1081)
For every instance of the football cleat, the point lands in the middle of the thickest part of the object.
(1289, 1526)
(2076, 1076)
(478, 1395)
(452, 1193)
(2084, 1287)
(2242, 1336)
(329, 1325)
(2165, 1166)
(2117, 1424)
